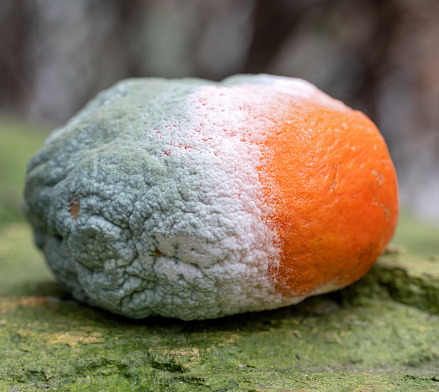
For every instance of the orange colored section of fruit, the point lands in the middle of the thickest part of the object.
(334, 188)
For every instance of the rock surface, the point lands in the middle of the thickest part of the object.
(379, 334)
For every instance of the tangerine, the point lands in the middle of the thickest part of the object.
(194, 199)
(335, 196)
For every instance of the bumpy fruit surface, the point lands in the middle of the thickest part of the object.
(193, 199)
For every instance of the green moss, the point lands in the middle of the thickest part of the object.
(18, 142)
(409, 279)
(49, 343)
(22, 268)
(419, 237)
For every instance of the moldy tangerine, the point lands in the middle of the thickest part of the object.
(194, 199)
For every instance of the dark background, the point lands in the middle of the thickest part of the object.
(378, 56)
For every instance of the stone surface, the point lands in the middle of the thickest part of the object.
(379, 334)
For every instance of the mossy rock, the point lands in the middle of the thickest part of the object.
(378, 334)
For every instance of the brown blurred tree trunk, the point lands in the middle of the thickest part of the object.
(273, 24)
(14, 80)
(375, 53)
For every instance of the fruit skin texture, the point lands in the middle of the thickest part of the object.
(342, 210)
(192, 199)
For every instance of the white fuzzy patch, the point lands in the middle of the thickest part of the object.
(224, 138)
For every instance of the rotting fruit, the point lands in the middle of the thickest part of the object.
(194, 199)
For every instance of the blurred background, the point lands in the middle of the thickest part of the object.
(378, 56)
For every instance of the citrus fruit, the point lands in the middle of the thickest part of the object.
(194, 199)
